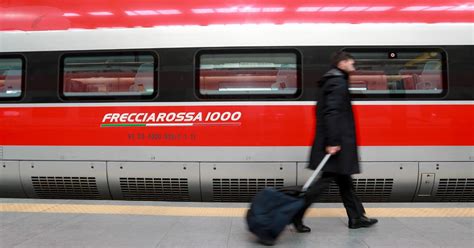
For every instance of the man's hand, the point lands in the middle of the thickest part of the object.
(332, 149)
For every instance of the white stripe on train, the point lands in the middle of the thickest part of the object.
(249, 35)
(227, 103)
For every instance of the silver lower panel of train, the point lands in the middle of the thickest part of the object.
(227, 174)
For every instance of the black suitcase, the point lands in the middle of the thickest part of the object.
(272, 210)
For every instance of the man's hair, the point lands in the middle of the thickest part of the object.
(340, 56)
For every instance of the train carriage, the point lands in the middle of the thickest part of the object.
(213, 100)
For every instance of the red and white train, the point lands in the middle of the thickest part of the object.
(214, 100)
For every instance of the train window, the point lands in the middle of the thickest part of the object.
(398, 72)
(127, 74)
(11, 77)
(265, 73)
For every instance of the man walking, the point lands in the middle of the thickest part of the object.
(335, 134)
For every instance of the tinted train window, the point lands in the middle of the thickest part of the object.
(395, 72)
(11, 77)
(244, 73)
(101, 75)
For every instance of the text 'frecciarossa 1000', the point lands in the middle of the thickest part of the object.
(171, 117)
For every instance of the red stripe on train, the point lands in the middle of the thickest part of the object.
(378, 125)
(32, 15)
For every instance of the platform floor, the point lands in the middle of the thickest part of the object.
(82, 223)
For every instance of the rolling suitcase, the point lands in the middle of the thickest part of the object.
(272, 210)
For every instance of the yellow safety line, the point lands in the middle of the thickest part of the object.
(221, 212)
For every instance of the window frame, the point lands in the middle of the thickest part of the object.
(444, 72)
(23, 77)
(115, 98)
(299, 74)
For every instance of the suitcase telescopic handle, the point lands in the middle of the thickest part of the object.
(315, 173)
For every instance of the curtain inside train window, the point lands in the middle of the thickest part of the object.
(11, 77)
(398, 72)
(248, 73)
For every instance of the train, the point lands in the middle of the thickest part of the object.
(214, 100)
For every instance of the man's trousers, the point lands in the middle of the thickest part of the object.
(351, 202)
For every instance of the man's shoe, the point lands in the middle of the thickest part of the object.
(361, 222)
(301, 228)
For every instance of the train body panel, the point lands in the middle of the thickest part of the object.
(231, 124)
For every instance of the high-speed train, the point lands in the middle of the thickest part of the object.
(214, 100)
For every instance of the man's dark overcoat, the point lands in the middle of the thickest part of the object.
(335, 125)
